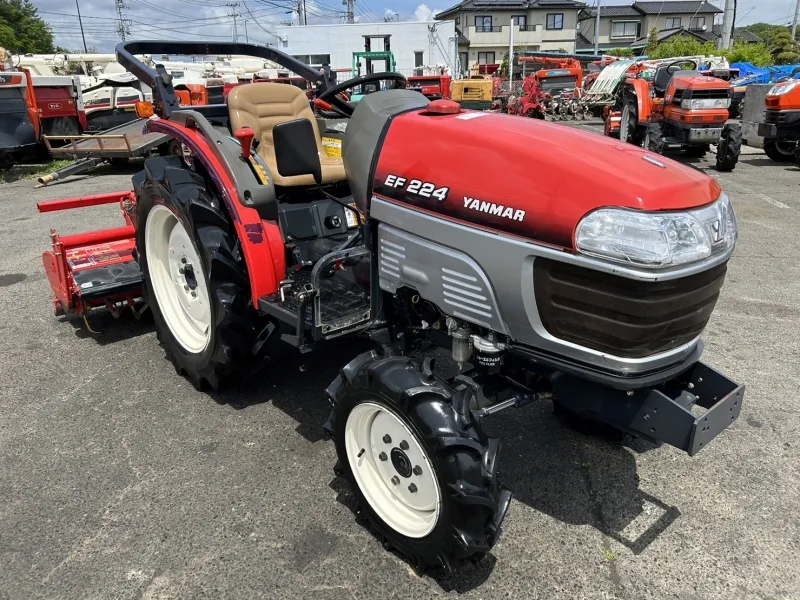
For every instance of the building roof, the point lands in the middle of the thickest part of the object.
(582, 44)
(494, 5)
(739, 35)
(638, 9)
(675, 8)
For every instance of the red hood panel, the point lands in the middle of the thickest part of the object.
(525, 176)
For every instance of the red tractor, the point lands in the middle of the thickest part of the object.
(679, 108)
(32, 107)
(255, 240)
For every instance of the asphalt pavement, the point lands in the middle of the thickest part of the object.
(119, 481)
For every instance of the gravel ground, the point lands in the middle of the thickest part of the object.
(119, 480)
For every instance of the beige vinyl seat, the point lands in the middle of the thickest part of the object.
(261, 106)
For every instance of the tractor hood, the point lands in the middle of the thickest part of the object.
(522, 176)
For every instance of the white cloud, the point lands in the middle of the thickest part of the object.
(424, 13)
(389, 14)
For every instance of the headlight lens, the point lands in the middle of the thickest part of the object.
(657, 240)
(702, 103)
(784, 87)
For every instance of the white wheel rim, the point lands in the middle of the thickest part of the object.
(374, 463)
(624, 123)
(178, 279)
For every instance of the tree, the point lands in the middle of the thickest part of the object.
(22, 30)
(652, 41)
(683, 46)
(784, 48)
(619, 52)
(757, 54)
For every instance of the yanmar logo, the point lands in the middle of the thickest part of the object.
(54, 105)
(494, 209)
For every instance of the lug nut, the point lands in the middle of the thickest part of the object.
(382, 456)
(417, 470)
(181, 270)
(412, 488)
(395, 480)
(183, 259)
(186, 288)
(404, 445)
(194, 294)
(387, 439)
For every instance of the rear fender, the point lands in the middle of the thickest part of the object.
(261, 240)
(641, 89)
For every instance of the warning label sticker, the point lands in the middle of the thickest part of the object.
(332, 146)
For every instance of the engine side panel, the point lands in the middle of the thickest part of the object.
(449, 279)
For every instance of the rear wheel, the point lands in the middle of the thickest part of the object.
(194, 277)
(654, 138)
(422, 471)
(779, 151)
(729, 147)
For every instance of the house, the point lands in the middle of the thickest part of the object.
(630, 25)
(484, 27)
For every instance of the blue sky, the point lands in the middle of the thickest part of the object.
(210, 20)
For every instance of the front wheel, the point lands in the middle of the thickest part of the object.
(421, 469)
(779, 151)
(654, 138)
(729, 147)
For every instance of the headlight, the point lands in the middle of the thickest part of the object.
(657, 240)
(701, 103)
(784, 87)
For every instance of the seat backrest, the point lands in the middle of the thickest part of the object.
(261, 106)
(661, 78)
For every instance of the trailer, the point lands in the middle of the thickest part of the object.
(116, 145)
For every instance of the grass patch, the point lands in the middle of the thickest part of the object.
(23, 171)
(610, 556)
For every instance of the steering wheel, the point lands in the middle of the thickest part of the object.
(331, 95)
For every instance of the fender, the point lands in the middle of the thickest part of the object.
(262, 243)
(642, 90)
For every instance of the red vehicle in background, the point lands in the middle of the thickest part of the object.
(32, 107)
(433, 87)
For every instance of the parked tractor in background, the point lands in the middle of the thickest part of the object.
(781, 126)
(433, 87)
(112, 102)
(679, 108)
(32, 107)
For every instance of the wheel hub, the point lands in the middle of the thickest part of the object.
(401, 463)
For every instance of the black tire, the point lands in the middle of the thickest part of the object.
(772, 148)
(463, 457)
(698, 151)
(234, 321)
(654, 138)
(729, 147)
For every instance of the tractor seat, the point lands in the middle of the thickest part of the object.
(664, 75)
(261, 106)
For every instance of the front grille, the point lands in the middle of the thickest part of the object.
(777, 117)
(708, 94)
(623, 317)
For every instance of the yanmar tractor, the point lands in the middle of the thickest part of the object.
(679, 108)
(557, 281)
(781, 127)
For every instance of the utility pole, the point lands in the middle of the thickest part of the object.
(301, 12)
(122, 21)
(351, 18)
(597, 30)
(727, 24)
(796, 16)
(510, 56)
(80, 21)
(246, 37)
(233, 6)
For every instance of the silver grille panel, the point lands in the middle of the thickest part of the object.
(449, 279)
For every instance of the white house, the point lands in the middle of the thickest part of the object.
(415, 44)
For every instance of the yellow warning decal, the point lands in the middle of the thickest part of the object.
(333, 146)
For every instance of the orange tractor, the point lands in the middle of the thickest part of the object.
(679, 108)
(781, 127)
